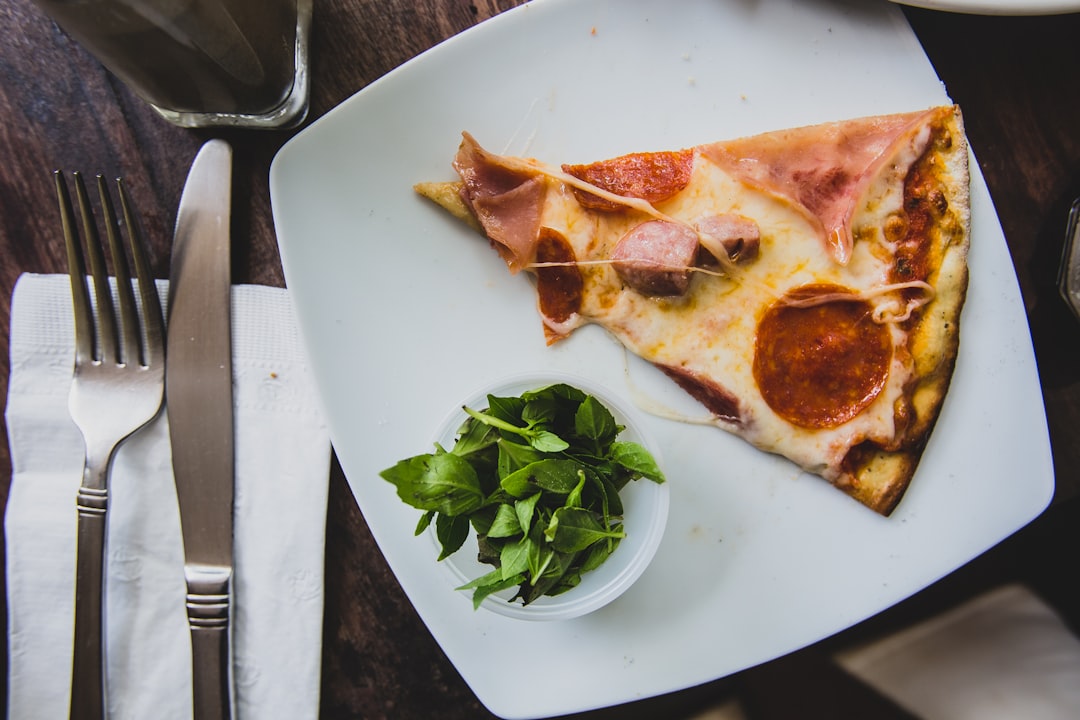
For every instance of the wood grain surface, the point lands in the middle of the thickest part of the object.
(1015, 78)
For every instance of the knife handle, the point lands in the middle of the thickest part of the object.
(208, 590)
(88, 666)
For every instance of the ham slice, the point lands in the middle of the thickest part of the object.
(505, 200)
(824, 169)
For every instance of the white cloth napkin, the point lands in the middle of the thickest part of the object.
(282, 466)
(1002, 655)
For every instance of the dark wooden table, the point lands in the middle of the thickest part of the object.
(1016, 79)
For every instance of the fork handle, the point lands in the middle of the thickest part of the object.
(88, 667)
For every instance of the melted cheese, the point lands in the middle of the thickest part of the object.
(711, 330)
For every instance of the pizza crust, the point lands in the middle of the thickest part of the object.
(447, 195)
(880, 478)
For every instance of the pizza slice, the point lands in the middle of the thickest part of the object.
(805, 285)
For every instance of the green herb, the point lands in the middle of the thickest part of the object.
(537, 477)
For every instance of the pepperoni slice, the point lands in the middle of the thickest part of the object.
(559, 287)
(819, 357)
(653, 176)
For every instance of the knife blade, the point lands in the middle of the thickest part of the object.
(199, 405)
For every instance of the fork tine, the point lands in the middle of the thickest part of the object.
(130, 336)
(80, 295)
(107, 345)
(153, 319)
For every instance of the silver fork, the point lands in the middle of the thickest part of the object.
(118, 387)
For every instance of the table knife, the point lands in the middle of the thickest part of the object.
(199, 405)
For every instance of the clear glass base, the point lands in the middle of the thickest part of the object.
(291, 112)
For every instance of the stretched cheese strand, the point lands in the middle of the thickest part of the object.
(715, 248)
(885, 312)
(665, 268)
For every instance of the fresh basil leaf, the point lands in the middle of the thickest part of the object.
(520, 483)
(514, 558)
(505, 524)
(546, 441)
(574, 529)
(619, 477)
(540, 556)
(498, 586)
(557, 566)
(556, 390)
(515, 455)
(443, 482)
(507, 409)
(557, 475)
(613, 506)
(491, 577)
(595, 422)
(425, 522)
(492, 582)
(598, 553)
(542, 409)
(452, 532)
(474, 437)
(574, 498)
(525, 509)
(602, 491)
(637, 459)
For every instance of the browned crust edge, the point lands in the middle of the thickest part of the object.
(882, 477)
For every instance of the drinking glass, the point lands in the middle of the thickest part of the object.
(201, 63)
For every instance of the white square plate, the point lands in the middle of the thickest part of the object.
(405, 314)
